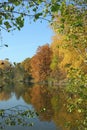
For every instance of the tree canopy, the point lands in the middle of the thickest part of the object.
(13, 12)
(40, 63)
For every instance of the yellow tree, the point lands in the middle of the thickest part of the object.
(5, 65)
(65, 56)
(70, 38)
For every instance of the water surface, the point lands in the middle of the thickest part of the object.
(49, 103)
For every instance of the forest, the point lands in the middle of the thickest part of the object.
(63, 62)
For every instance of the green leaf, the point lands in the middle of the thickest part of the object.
(55, 7)
(37, 15)
(7, 24)
(20, 22)
(15, 2)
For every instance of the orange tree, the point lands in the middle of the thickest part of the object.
(40, 63)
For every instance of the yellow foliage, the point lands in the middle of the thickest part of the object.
(68, 56)
(4, 65)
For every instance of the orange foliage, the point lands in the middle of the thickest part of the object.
(40, 63)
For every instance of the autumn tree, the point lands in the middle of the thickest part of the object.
(26, 64)
(40, 63)
(70, 40)
(65, 56)
(6, 71)
(5, 65)
(57, 57)
(72, 24)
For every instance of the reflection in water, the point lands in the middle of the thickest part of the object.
(4, 96)
(63, 118)
(40, 98)
(50, 104)
(5, 92)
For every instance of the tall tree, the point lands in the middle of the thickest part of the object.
(40, 63)
(70, 41)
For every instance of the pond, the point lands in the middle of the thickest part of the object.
(47, 104)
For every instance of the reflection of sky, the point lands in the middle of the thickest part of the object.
(38, 125)
(13, 102)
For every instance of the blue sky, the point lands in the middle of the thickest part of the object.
(23, 44)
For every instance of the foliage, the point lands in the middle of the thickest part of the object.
(12, 73)
(70, 41)
(64, 57)
(5, 65)
(26, 65)
(72, 23)
(40, 63)
(6, 72)
(13, 12)
(57, 57)
(18, 115)
(77, 89)
(71, 52)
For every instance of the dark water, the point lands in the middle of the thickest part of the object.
(47, 102)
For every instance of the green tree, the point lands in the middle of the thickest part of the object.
(13, 12)
(27, 67)
(18, 72)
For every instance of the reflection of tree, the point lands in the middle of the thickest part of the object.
(40, 98)
(18, 115)
(63, 118)
(5, 91)
(51, 104)
(20, 89)
(4, 96)
(26, 96)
